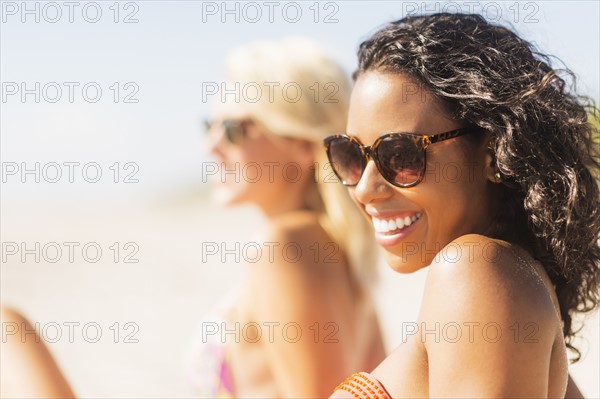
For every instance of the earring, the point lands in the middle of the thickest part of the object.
(498, 176)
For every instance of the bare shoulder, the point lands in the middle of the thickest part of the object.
(300, 225)
(485, 304)
(14, 323)
(489, 287)
(10, 315)
(18, 335)
(301, 245)
(298, 266)
(488, 276)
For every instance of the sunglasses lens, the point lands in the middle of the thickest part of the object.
(234, 131)
(346, 159)
(401, 159)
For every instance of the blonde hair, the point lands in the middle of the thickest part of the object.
(305, 95)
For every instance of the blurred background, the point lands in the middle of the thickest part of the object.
(104, 205)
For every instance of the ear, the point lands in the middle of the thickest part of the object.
(491, 168)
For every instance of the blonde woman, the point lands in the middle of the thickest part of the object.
(309, 297)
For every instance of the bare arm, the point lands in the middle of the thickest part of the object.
(28, 369)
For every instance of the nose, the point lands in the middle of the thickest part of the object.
(372, 186)
(216, 143)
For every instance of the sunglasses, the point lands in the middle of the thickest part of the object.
(399, 157)
(234, 130)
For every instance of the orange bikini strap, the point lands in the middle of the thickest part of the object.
(363, 386)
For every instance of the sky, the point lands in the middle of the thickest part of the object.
(120, 84)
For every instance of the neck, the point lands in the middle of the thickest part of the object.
(298, 197)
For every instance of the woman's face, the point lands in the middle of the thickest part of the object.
(259, 167)
(452, 200)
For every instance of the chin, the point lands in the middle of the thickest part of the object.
(404, 264)
(225, 196)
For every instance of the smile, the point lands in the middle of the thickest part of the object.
(394, 225)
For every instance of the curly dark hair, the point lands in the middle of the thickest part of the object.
(543, 142)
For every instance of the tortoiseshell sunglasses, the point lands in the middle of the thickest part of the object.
(399, 157)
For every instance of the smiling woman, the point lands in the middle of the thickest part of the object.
(511, 241)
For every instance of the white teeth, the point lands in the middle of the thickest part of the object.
(400, 223)
(384, 226)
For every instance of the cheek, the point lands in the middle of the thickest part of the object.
(454, 200)
(230, 154)
(443, 209)
(265, 170)
(270, 159)
(352, 194)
